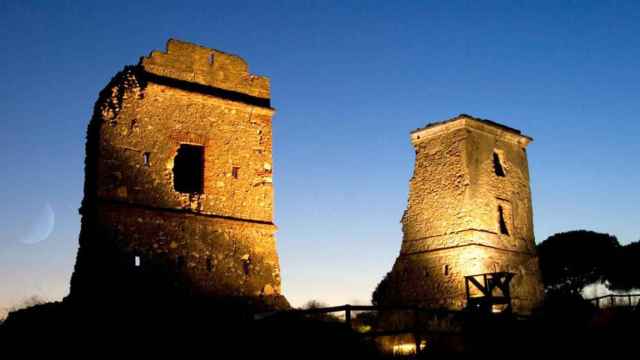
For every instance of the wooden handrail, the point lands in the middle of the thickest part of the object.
(347, 308)
(415, 330)
(601, 300)
(613, 295)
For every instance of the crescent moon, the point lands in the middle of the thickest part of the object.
(41, 226)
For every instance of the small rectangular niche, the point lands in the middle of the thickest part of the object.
(235, 171)
(180, 262)
(146, 159)
(209, 264)
(246, 264)
(188, 169)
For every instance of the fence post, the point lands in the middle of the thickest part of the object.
(347, 316)
(416, 324)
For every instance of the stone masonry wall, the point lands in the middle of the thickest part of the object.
(452, 226)
(216, 242)
(422, 280)
(212, 254)
(437, 188)
(233, 135)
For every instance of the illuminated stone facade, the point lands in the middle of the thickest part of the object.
(178, 180)
(469, 212)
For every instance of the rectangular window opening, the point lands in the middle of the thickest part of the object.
(136, 261)
(188, 169)
(235, 171)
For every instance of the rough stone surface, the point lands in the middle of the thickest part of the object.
(452, 225)
(216, 242)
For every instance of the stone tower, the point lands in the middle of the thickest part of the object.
(469, 213)
(178, 181)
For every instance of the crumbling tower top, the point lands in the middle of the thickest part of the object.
(196, 64)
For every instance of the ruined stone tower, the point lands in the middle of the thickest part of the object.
(469, 213)
(178, 181)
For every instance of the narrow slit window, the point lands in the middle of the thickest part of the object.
(209, 265)
(136, 261)
(235, 171)
(446, 270)
(497, 165)
(146, 159)
(504, 230)
(188, 169)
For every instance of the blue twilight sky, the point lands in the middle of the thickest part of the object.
(349, 81)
